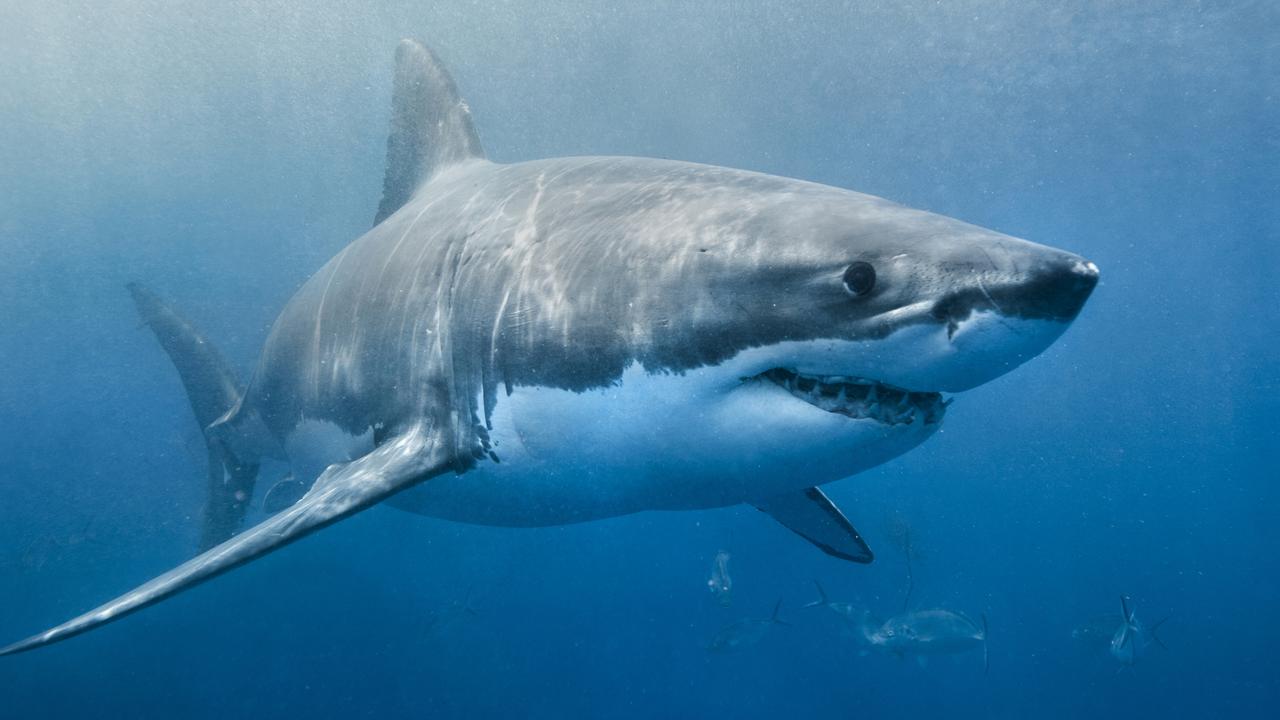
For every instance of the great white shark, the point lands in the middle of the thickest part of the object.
(563, 340)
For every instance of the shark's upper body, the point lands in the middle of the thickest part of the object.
(604, 331)
(578, 338)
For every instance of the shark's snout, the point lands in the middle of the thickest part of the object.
(1058, 290)
(1052, 288)
(996, 321)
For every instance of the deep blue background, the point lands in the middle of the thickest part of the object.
(222, 154)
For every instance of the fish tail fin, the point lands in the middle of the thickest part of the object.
(1125, 611)
(467, 607)
(775, 618)
(866, 626)
(213, 390)
(822, 596)
(1156, 638)
(986, 657)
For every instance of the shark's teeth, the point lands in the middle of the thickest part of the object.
(862, 399)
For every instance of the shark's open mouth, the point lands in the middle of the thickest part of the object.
(861, 399)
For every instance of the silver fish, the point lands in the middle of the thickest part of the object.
(445, 617)
(745, 633)
(1096, 632)
(720, 583)
(928, 632)
(1132, 639)
(848, 612)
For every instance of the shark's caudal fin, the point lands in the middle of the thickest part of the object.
(213, 389)
(339, 492)
(812, 516)
(431, 126)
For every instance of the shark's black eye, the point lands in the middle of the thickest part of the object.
(859, 278)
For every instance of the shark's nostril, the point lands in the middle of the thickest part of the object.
(1056, 289)
(1087, 270)
(1059, 290)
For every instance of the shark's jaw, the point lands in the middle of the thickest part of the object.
(859, 398)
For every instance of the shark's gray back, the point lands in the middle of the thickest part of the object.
(478, 283)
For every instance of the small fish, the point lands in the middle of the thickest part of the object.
(928, 632)
(745, 633)
(720, 584)
(848, 612)
(1131, 640)
(1096, 632)
(43, 548)
(447, 616)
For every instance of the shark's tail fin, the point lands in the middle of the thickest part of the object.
(1152, 632)
(822, 597)
(775, 618)
(213, 390)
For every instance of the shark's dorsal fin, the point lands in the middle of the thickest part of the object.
(431, 126)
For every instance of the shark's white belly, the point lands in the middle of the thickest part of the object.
(699, 439)
(651, 442)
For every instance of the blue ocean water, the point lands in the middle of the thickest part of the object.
(221, 153)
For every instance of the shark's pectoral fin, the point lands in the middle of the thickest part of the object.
(342, 490)
(809, 514)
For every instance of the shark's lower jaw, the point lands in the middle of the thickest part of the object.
(860, 399)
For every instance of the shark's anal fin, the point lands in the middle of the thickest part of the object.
(431, 127)
(213, 390)
(809, 514)
(341, 491)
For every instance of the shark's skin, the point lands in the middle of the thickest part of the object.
(502, 295)
(578, 338)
